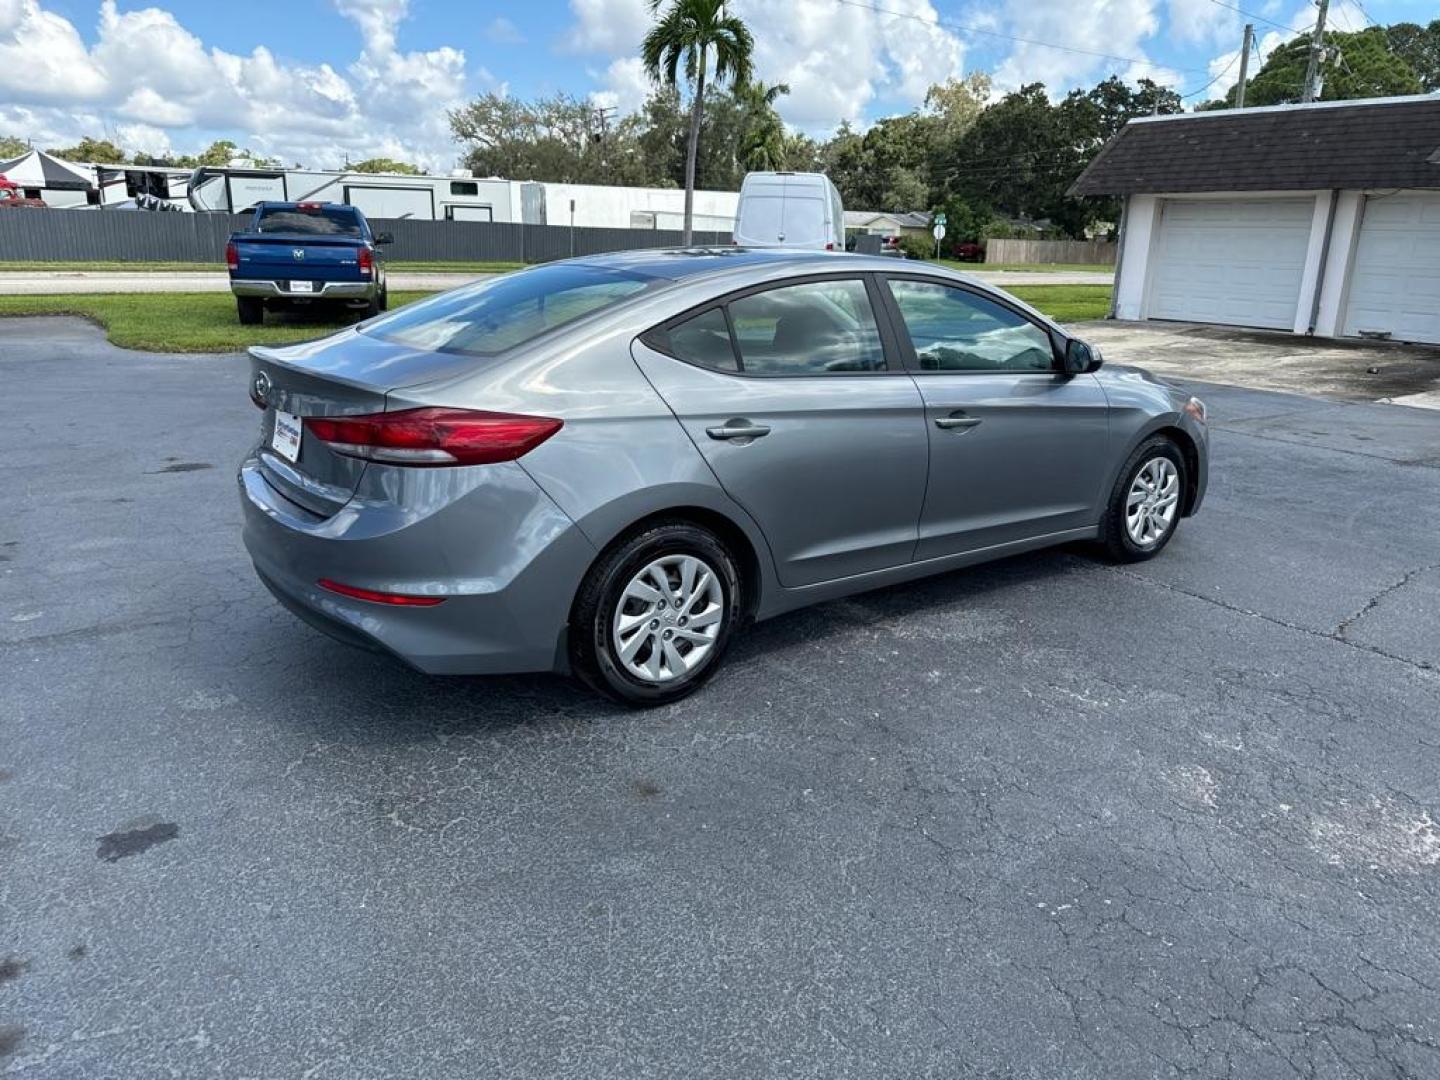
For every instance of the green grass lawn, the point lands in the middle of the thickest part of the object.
(172, 267)
(206, 322)
(1067, 303)
(185, 322)
(1030, 268)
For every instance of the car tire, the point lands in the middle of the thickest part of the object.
(1146, 503)
(636, 642)
(251, 310)
(383, 302)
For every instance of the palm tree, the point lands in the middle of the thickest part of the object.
(689, 31)
(763, 144)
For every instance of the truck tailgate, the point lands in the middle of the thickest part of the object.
(303, 257)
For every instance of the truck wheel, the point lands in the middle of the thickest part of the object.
(385, 298)
(251, 310)
(373, 306)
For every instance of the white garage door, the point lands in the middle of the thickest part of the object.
(1395, 278)
(1235, 262)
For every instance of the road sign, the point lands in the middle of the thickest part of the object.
(941, 219)
(939, 231)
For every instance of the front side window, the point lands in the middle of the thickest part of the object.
(817, 328)
(507, 311)
(956, 330)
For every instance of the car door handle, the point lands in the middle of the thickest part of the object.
(949, 423)
(738, 429)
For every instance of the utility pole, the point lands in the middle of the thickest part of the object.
(1244, 65)
(1317, 53)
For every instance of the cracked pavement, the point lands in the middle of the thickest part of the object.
(1044, 818)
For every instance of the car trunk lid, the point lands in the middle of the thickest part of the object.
(347, 374)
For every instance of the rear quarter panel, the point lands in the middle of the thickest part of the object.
(621, 456)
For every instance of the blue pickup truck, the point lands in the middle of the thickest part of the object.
(299, 254)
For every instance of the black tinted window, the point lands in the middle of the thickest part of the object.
(703, 340)
(818, 328)
(321, 221)
(506, 311)
(464, 187)
(956, 330)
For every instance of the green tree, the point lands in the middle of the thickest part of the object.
(1356, 65)
(687, 32)
(958, 103)
(1418, 46)
(11, 147)
(763, 143)
(548, 139)
(386, 165)
(100, 151)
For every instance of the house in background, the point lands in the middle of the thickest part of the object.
(1318, 219)
(882, 223)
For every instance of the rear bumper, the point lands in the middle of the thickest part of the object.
(324, 290)
(504, 557)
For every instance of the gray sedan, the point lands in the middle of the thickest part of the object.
(609, 465)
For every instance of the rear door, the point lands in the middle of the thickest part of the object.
(803, 411)
(1017, 449)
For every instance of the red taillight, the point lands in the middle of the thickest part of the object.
(397, 599)
(433, 436)
(367, 260)
(309, 207)
(232, 257)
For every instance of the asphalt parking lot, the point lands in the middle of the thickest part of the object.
(1046, 818)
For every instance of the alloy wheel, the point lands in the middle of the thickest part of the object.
(1152, 502)
(668, 618)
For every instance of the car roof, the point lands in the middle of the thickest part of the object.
(680, 264)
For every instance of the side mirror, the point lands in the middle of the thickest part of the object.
(1081, 357)
(384, 238)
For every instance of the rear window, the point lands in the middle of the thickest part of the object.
(507, 311)
(322, 221)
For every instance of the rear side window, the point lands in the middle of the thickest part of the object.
(321, 221)
(816, 328)
(507, 311)
(703, 340)
(956, 330)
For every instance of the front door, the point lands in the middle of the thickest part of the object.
(807, 419)
(1017, 449)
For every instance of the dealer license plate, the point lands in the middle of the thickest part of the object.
(285, 440)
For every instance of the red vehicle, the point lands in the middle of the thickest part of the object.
(12, 196)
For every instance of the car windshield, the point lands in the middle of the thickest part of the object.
(320, 221)
(507, 311)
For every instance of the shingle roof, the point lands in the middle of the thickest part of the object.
(1384, 143)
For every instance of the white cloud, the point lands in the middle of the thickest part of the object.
(1201, 21)
(626, 86)
(1115, 27)
(611, 27)
(148, 74)
(502, 31)
(836, 58)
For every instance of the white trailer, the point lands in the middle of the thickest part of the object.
(378, 195)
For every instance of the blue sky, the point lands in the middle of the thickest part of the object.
(319, 80)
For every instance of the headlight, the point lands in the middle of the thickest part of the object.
(1196, 408)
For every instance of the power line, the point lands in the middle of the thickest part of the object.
(964, 28)
(1261, 18)
(1213, 81)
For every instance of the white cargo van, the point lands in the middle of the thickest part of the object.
(790, 210)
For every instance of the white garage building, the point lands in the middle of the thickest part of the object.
(1318, 219)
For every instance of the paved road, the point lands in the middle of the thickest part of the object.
(49, 282)
(1044, 819)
